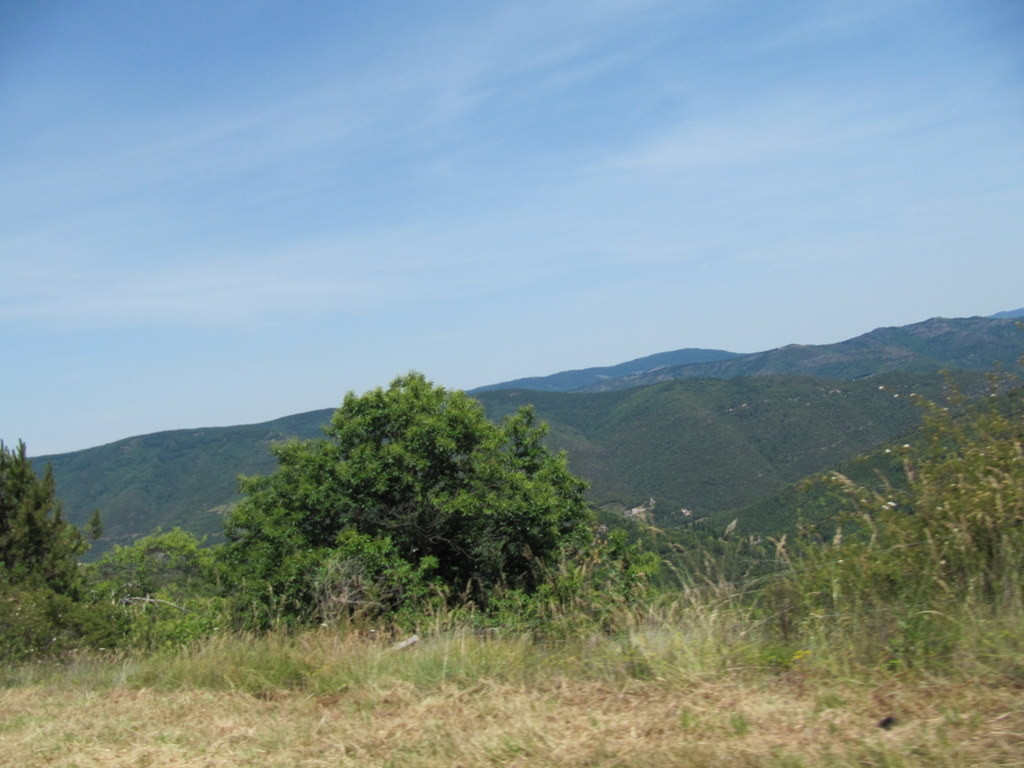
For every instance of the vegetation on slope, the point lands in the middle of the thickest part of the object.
(971, 344)
(711, 446)
(41, 584)
(694, 445)
(899, 642)
(707, 445)
(185, 478)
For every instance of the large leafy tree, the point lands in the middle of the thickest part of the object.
(38, 547)
(420, 469)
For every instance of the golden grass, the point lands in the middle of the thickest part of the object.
(465, 701)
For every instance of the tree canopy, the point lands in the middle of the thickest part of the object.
(38, 547)
(411, 484)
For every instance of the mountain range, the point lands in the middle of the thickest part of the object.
(702, 433)
(582, 380)
(975, 343)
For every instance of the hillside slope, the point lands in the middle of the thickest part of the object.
(571, 381)
(706, 445)
(974, 343)
(714, 445)
(179, 478)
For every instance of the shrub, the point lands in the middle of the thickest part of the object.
(41, 586)
(412, 473)
(165, 587)
(39, 622)
(365, 578)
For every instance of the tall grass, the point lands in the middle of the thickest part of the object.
(928, 575)
(700, 676)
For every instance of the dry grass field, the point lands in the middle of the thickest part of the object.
(458, 700)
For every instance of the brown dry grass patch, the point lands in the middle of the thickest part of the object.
(737, 721)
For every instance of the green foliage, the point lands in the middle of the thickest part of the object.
(419, 475)
(39, 622)
(41, 586)
(365, 577)
(154, 623)
(711, 446)
(594, 585)
(38, 548)
(703, 446)
(901, 561)
(174, 563)
(166, 588)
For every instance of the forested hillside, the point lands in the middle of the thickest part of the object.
(571, 381)
(715, 446)
(705, 445)
(180, 478)
(972, 344)
(709, 446)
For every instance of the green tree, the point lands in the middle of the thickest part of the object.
(41, 586)
(465, 503)
(38, 547)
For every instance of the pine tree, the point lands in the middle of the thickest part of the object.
(38, 547)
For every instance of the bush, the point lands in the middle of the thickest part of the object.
(364, 578)
(39, 622)
(42, 601)
(416, 482)
(174, 562)
(165, 587)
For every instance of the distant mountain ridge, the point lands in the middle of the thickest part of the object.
(974, 343)
(1011, 313)
(709, 435)
(571, 381)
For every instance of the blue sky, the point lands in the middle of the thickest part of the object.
(217, 213)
